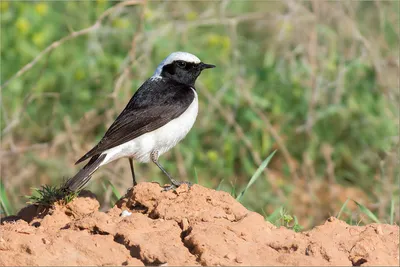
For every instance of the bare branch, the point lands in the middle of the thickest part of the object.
(73, 35)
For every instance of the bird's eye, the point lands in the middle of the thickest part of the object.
(181, 64)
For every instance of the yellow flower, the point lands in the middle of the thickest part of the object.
(226, 43)
(148, 14)
(38, 39)
(212, 155)
(213, 39)
(101, 2)
(80, 74)
(191, 15)
(121, 23)
(22, 25)
(221, 41)
(41, 8)
(4, 5)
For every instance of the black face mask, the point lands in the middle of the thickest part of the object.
(184, 72)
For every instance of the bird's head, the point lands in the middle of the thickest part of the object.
(182, 67)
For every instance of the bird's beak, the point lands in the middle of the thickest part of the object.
(206, 66)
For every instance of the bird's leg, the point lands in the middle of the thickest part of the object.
(154, 158)
(174, 183)
(132, 171)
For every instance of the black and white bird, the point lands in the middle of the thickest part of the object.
(157, 117)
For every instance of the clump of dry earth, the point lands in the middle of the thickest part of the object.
(199, 226)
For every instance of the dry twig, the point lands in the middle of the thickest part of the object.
(73, 35)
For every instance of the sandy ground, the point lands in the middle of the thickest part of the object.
(199, 226)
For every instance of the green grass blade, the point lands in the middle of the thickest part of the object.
(219, 185)
(233, 191)
(4, 203)
(196, 177)
(392, 211)
(342, 208)
(104, 186)
(367, 212)
(255, 176)
(297, 227)
(264, 213)
(114, 190)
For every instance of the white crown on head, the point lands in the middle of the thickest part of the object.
(184, 56)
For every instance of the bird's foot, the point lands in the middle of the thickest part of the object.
(175, 185)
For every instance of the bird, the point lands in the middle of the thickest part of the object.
(156, 118)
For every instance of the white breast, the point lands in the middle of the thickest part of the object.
(161, 140)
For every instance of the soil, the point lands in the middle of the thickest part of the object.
(196, 226)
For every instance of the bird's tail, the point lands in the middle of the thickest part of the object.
(83, 176)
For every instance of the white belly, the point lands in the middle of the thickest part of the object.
(161, 140)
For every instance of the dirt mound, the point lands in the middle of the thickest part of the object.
(199, 226)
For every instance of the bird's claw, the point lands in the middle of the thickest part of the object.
(175, 185)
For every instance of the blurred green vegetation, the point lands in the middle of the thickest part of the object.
(323, 75)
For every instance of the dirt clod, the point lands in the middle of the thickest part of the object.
(196, 226)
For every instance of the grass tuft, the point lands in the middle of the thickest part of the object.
(47, 195)
(363, 210)
(367, 212)
(281, 217)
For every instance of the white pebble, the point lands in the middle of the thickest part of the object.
(126, 213)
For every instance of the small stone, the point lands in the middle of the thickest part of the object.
(126, 213)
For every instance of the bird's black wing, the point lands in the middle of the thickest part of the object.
(155, 103)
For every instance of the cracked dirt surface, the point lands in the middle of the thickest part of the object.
(193, 227)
